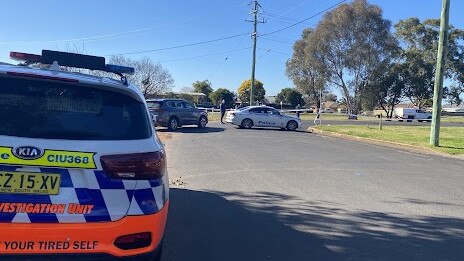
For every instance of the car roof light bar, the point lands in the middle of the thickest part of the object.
(72, 60)
(118, 69)
(25, 57)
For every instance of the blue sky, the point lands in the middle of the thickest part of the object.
(105, 28)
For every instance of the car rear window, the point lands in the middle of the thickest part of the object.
(154, 105)
(49, 110)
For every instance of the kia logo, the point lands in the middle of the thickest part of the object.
(28, 152)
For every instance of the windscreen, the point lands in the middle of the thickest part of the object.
(52, 110)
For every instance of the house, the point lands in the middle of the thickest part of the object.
(453, 108)
(335, 106)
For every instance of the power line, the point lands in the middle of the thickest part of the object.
(286, 20)
(224, 61)
(277, 41)
(205, 55)
(272, 51)
(306, 19)
(290, 10)
(180, 46)
(134, 32)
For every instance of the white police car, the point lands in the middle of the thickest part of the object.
(262, 116)
(82, 172)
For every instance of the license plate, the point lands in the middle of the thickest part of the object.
(29, 183)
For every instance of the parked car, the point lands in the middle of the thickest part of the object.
(327, 110)
(174, 113)
(262, 116)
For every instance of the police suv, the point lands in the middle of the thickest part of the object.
(82, 172)
(262, 116)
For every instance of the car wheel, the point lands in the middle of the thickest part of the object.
(292, 125)
(247, 123)
(173, 124)
(202, 122)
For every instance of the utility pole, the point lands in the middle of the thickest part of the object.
(254, 35)
(440, 67)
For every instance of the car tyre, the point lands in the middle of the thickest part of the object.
(173, 124)
(247, 123)
(202, 122)
(292, 125)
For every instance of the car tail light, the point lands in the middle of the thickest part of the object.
(133, 241)
(150, 165)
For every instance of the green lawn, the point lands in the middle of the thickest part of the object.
(214, 116)
(451, 138)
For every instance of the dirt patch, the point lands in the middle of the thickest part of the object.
(164, 136)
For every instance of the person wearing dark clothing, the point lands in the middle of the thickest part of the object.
(297, 111)
(223, 110)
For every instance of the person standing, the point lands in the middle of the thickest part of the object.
(223, 110)
(298, 111)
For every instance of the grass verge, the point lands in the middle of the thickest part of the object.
(216, 116)
(451, 138)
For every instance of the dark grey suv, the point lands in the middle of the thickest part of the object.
(173, 113)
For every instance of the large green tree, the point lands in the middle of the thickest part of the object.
(348, 46)
(386, 89)
(301, 70)
(222, 94)
(420, 43)
(244, 91)
(203, 87)
(454, 95)
(290, 96)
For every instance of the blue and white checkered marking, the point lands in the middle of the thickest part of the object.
(112, 199)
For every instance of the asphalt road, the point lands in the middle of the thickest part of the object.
(278, 195)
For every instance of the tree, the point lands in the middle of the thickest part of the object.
(301, 70)
(348, 45)
(222, 94)
(329, 97)
(186, 97)
(150, 77)
(420, 44)
(290, 96)
(203, 87)
(386, 89)
(244, 91)
(187, 89)
(453, 95)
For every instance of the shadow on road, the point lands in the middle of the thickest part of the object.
(301, 130)
(193, 129)
(205, 226)
(259, 226)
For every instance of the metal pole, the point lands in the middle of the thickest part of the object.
(255, 23)
(320, 109)
(440, 67)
